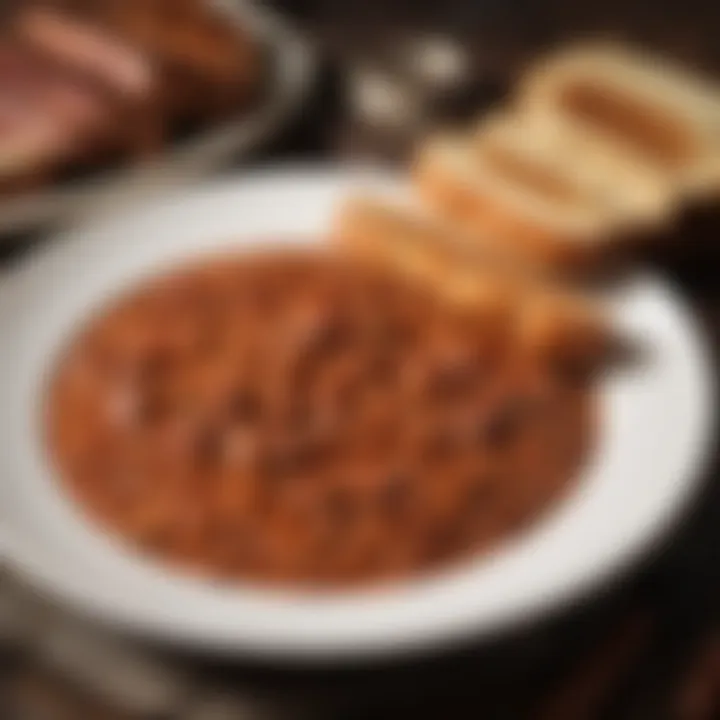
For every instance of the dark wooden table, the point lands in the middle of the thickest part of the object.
(647, 647)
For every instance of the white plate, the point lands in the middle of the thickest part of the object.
(218, 146)
(654, 434)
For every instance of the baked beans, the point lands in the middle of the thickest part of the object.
(297, 419)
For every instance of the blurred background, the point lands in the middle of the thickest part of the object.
(351, 81)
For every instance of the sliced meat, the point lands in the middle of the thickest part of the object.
(87, 49)
(45, 117)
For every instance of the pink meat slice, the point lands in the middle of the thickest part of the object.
(87, 49)
(44, 117)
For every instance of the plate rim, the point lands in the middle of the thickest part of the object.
(19, 553)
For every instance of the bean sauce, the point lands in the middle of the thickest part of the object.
(295, 419)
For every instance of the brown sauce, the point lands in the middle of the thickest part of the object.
(658, 137)
(294, 419)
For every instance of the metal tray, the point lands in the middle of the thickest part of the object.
(292, 69)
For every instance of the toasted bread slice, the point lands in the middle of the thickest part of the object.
(654, 111)
(552, 324)
(569, 333)
(406, 239)
(518, 198)
(537, 152)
